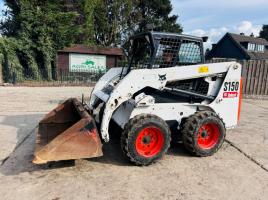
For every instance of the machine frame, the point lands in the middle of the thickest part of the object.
(126, 98)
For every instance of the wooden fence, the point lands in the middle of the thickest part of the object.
(255, 76)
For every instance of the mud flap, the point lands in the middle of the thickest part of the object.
(67, 132)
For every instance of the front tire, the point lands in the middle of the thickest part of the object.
(203, 133)
(145, 139)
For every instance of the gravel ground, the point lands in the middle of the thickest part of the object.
(237, 171)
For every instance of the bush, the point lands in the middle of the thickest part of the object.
(9, 59)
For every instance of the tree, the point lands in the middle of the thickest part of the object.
(264, 32)
(111, 22)
(40, 28)
(156, 12)
(35, 29)
(8, 58)
(130, 17)
(88, 26)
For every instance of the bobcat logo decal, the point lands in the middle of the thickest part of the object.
(162, 77)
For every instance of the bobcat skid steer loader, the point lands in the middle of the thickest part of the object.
(166, 86)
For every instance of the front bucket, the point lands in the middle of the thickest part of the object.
(67, 132)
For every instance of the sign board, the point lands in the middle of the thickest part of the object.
(87, 63)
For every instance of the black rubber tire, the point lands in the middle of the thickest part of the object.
(131, 131)
(190, 130)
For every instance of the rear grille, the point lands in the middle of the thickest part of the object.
(199, 86)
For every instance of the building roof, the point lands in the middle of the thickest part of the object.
(79, 48)
(243, 38)
(240, 42)
(238, 39)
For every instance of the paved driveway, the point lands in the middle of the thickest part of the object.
(237, 171)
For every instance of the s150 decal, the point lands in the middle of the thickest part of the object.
(231, 89)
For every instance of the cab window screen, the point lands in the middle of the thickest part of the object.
(141, 54)
(189, 53)
(167, 52)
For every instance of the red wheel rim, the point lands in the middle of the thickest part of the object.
(150, 141)
(208, 136)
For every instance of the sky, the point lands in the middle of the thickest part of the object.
(213, 18)
(1, 4)
(2, 7)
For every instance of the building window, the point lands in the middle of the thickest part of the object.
(251, 47)
(255, 47)
(260, 48)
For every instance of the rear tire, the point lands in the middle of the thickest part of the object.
(203, 133)
(145, 139)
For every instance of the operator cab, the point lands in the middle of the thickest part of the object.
(154, 50)
(160, 50)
